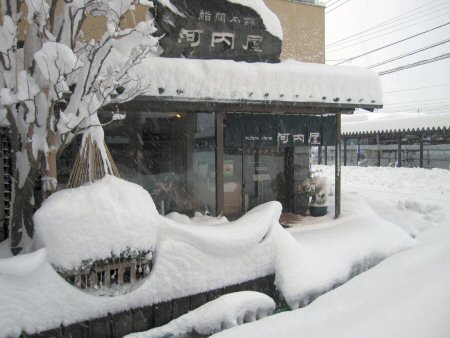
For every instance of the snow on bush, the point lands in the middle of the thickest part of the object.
(95, 221)
(222, 313)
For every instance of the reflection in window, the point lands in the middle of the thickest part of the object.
(171, 155)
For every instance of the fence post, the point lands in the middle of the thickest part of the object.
(337, 168)
(345, 151)
(421, 150)
(379, 150)
(399, 150)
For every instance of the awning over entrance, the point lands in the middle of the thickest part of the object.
(283, 87)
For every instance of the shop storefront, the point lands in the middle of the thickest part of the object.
(214, 134)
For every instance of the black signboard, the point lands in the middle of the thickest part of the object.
(278, 131)
(205, 29)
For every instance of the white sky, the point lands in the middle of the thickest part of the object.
(355, 16)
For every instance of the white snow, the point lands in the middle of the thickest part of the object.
(407, 294)
(95, 221)
(393, 122)
(269, 18)
(23, 264)
(55, 60)
(224, 312)
(289, 81)
(380, 207)
(198, 218)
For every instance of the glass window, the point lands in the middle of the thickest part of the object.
(171, 155)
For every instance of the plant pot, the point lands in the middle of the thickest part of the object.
(318, 210)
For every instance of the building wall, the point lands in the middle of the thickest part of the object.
(304, 30)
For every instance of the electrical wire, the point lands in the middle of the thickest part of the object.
(417, 88)
(429, 100)
(446, 15)
(409, 53)
(387, 22)
(415, 64)
(394, 43)
(334, 8)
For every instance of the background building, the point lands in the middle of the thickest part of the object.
(303, 24)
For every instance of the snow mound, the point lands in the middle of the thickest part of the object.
(222, 313)
(23, 264)
(228, 238)
(199, 218)
(95, 221)
(311, 263)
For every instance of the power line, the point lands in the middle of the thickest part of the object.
(446, 14)
(415, 64)
(387, 22)
(417, 88)
(394, 43)
(332, 9)
(410, 53)
(440, 99)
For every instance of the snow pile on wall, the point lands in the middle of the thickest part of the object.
(289, 81)
(224, 312)
(229, 238)
(198, 218)
(95, 221)
(314, 262)
(188, 258)
(406, 295)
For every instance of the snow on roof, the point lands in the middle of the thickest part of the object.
(371, 123)
(290, 81)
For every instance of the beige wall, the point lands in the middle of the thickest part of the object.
(304, 30)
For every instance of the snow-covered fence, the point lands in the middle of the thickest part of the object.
(434, 156)
(145, 318)
(109, 273)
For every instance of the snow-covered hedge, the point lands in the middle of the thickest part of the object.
(94, 222)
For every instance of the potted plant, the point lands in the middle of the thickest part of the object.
(316, 187)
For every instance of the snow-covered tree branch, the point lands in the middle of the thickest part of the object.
(55, 77)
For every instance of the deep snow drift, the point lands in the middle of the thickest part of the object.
(316, 257)
(406, 295)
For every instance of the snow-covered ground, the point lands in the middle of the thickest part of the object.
(406, 295)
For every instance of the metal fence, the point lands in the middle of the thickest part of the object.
(434, 156)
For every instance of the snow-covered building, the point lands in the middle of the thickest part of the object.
(227, 135)
(216, 131)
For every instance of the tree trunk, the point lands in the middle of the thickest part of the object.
(22, 209)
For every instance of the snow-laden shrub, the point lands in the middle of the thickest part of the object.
(110, 218)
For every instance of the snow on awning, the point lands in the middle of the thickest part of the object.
(291, 83)
(390, 123)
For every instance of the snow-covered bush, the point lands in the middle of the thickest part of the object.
(109, 219)
(315, 187)
(55, 75)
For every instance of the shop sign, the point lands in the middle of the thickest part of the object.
(215, 30)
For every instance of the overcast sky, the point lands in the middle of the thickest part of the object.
(410, 17)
